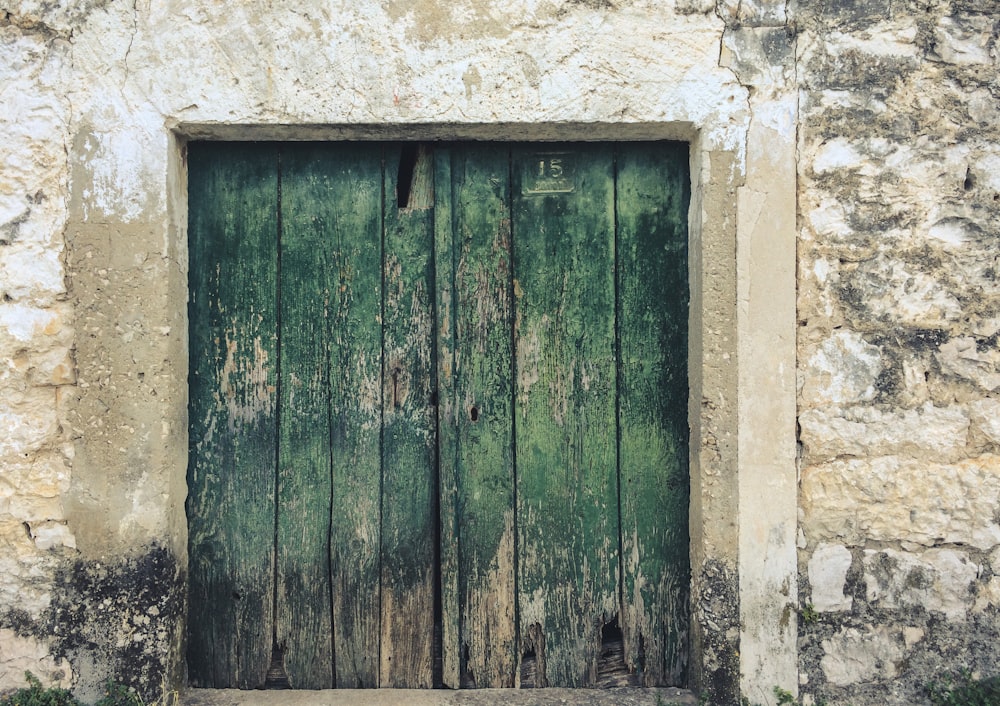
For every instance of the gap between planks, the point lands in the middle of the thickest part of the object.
(655, 696)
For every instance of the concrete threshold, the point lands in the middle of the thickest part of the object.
(631, 696)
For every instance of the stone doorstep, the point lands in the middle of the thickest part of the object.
(666, 696)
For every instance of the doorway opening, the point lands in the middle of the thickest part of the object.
(438, 417)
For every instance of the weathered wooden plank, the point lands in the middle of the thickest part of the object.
(330, 348)
(567, 503)
(652, 203)
(303, 621)
(355, 349)
(232, 231)
(444, 271)
(409, 444)
(484, 416)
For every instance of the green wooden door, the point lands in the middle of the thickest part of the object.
(438, 415)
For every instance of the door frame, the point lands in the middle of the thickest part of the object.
(741, 230)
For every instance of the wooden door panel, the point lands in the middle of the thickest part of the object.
(302, 606)
(567, 495)
(355, 374)
(483, 393)
(438, 395)
(409, 444)
(233, 381)
(651, 206)
(330, 249)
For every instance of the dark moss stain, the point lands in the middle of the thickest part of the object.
(985, 345)
(973, 645)
(854, 298)
(976, 7)
(845, 15)
(718, 609)
(912, 340)
(19, 621)
(889, 383)
(857, 70)
(118, 620)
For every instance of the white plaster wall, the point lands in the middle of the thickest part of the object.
(93, 330)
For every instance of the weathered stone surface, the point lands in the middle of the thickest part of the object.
(985, 416)
(129, 608)
(842, 370)
(935, 580)
(889, 498)
(29, 421)
(33, 180)
(988, 596)
(899, 204)
(26, 575)
(828, 568)
(929, 432)
(964, 39)
(19, 654)
(967, 358)
(854, 655)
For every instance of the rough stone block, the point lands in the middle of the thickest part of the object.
(30, 508)
(888, 290)
(985, 415)
(31, 273)
(34, 328)
(19, 653)
(51, 534)
(890, 499)
(28, 422)
(964, 358)
(828, 568)
(964, 39)
(840, 370)
(853, 655)
(930, 432)
(936, 580)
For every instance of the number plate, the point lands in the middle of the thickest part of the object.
(547, 173)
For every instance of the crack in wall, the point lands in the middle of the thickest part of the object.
(131, 41)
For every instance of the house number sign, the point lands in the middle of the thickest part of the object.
(548, 173)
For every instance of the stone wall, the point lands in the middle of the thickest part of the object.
(899, 367)
(74, 614)
(895, 108)
(37, 370)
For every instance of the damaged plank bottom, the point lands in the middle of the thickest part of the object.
(660, 696)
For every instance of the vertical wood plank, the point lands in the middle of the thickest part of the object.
(652, 204)
(328, 458)
(302, 610)
(232, 231)
(409, 489)
(355, 346)
(444, 270)
(567, 503)
(484, 416)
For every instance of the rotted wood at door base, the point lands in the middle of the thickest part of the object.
(438, 415)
